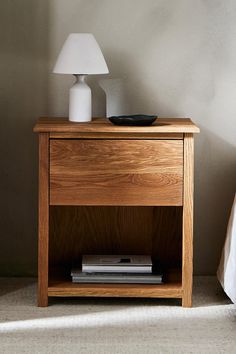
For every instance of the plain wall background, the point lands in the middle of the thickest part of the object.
(178, 59)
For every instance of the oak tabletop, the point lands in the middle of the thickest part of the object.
(103, 125)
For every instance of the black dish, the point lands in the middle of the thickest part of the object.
(133, 120)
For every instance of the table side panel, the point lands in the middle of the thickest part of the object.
(187, 255)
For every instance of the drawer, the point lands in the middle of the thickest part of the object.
(116, 172)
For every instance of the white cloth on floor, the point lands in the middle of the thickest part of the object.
(226, 272)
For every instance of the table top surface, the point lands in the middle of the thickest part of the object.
(103, 125)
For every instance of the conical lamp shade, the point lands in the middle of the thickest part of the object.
(81, 54)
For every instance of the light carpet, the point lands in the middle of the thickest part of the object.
(116, 325)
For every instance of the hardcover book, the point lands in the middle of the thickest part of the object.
(125, 278)
(117, 263)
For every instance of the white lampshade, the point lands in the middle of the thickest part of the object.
(81, 54)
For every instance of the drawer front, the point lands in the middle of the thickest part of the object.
(116, 172)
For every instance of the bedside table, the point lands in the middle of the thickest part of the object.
(106, 189)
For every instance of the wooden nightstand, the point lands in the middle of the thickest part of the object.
(106, 189)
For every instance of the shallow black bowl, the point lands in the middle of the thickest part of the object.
(133, 120)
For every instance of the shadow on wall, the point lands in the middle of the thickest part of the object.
(23, 97)
(127, 93)
(215, 176)
(117, 102)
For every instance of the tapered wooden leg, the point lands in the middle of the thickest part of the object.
(43, 227)
(187, 256)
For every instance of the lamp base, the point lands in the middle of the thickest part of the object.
(80, 101)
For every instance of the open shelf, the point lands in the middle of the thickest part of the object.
(75, 231)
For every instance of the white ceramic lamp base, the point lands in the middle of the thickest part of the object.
(80, 101)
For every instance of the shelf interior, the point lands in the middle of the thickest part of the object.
(77, 230)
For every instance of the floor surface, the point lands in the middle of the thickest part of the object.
(116, 325)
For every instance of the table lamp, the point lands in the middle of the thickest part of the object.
(80, 56)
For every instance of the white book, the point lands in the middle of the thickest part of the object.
(117, 263)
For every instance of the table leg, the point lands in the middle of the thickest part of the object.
(43, 227)
(187, 256)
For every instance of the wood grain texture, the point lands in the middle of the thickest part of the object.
(102, 125)
(100, 164)
(108, 172)
(131, 136)
(43, 226)
(66, 288)
(187, 266)
(75, 231)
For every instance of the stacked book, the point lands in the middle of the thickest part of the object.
(117, 269)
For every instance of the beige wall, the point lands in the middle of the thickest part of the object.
(177, 59)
